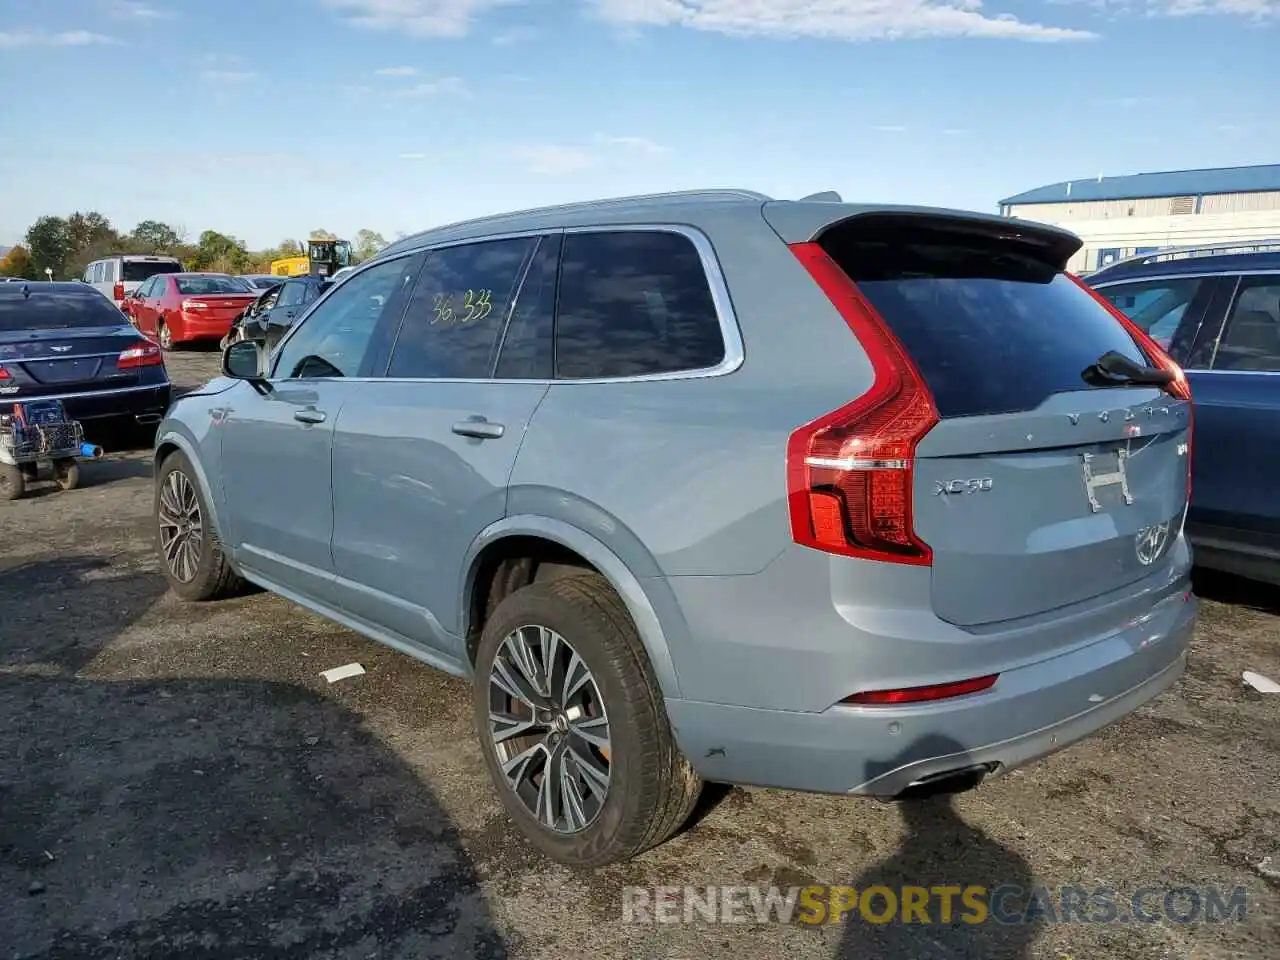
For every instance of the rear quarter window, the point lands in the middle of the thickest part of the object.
(634, 303)
(991, 328)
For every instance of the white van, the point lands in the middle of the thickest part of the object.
(115, 276)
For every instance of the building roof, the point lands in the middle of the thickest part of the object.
(1170, 183)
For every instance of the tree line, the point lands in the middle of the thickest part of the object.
(66, 245)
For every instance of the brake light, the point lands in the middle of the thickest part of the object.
(117, 292)
(142, 354)
(932, 692)
(1180, 387)
(194, 305)
(850, 473)
(4, 374)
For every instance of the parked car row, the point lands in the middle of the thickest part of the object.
(714, 487)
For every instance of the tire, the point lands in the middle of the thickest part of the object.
(651, 788)
(13, 482)
(165, 336)
(204, 573)
(67, 474)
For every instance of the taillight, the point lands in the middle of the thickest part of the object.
(4, 374)
(142, 354)
(194, 305)
(850, 473)
(117, 292)
(932, 692)
(1180, 387)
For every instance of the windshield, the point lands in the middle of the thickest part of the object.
(138, 270)
(60, 309)
(198, 286)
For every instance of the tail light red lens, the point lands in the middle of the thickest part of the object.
(4, 374)
(143, 354)
(850, 473)
(117, 291)
(936, 691)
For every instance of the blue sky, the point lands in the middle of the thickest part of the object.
(268, 118)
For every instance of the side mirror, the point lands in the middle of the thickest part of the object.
(246, 360)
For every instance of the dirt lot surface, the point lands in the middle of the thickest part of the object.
(178, 781)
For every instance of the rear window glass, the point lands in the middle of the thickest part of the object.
(135, 270)
(992, 328)
(196, 286)
(55, 310)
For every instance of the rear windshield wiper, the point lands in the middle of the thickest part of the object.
(1114, 369)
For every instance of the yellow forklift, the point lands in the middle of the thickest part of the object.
(324, 258)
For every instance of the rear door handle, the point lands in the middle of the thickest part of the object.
(479, 428)
(309, 415)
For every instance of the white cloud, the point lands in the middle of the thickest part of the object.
(430, 88)
(40, 38)
(554, 160)
(229, 76)
(638, 144)
(515, 35)
(1186, 8)
(837, 19)
(418, 18)
(137, 10)
(398, 72)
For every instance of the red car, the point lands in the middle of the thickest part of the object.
(177, 308)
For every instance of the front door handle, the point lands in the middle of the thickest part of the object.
(479, 428)
(309, 415)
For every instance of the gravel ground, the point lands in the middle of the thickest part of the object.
(178, 781)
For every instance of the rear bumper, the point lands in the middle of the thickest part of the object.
(201, 328)
(763, 667)
(146, 404)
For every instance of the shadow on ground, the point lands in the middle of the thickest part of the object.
(203, 818)
(940, 849)
(1237, 591)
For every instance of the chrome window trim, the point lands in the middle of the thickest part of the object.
(73, 356)
(730, 332)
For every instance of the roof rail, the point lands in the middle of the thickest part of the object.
(675, 196)
(1201, 250)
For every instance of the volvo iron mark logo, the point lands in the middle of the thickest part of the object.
(1150, 543)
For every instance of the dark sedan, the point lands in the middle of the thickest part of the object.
(271, 316)
(67, 341)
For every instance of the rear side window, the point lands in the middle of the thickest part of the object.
(1156, 306)
(135, 270)
(60, 310)
(634, 303)
(459, 309)
(1251, 338)
(992, 327)
(528, 351)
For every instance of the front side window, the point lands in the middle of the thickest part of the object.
(634, 303)
(1251, 338)
(333, 340)
(290, 295)
(458, 310)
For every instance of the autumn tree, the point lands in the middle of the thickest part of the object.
(19, 263)
(368, 243)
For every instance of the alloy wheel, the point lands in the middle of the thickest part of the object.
(181, 527)
(166, 337)
(549, 727)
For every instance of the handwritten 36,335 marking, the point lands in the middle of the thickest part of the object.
(473, 307)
